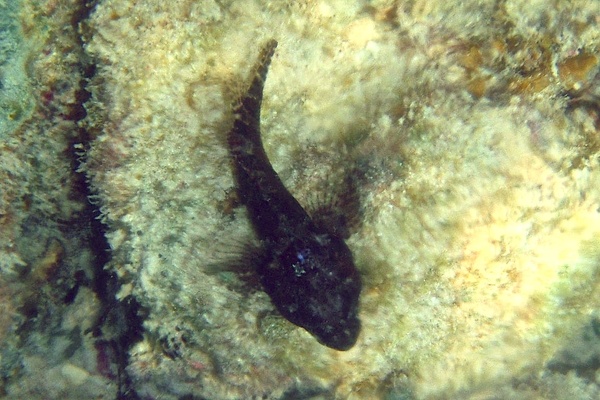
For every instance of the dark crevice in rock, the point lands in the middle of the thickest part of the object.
(119, 325)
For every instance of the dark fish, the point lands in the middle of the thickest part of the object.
(307, 270)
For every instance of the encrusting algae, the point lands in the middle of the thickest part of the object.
(479, 246)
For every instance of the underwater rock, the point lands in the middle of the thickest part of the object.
(47, 258)
(479, 241)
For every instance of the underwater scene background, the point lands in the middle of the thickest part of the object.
(470, 131)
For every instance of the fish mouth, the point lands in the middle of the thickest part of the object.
(342, 336)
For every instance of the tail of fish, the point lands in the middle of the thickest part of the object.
(246, 129)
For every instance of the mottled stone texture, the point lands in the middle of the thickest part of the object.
(471, 125)
(480, 235)
(46, 349)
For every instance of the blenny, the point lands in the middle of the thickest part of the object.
(307, 269)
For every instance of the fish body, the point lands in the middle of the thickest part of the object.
(308, 271)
